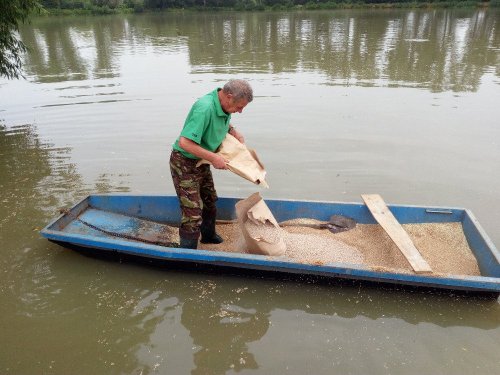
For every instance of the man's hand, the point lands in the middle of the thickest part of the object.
(219, 162)
(236, 134)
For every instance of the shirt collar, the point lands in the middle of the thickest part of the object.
(218, 107)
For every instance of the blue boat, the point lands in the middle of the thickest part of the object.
(111, 224)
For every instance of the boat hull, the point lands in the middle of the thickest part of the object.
(127, 214)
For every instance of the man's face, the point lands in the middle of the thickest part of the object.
(235, 106)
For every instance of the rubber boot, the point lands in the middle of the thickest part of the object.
(188, 240)
(207, 229)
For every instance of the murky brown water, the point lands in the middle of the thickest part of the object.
(400, 103)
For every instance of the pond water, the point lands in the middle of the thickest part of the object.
(402, 103)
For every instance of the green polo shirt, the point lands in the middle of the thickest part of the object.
(206, 124)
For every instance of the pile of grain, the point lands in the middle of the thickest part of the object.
(318, 249)
(307, 248)
(268, 233)
(443, 246)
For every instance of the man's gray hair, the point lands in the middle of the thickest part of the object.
(239, 88)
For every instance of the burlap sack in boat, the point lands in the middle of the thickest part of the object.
(242, 160)
(260, 229)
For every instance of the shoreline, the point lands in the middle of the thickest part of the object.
(330, 5)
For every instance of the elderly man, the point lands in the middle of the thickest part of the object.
(205, 128)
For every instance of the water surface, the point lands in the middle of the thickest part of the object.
(400, 103)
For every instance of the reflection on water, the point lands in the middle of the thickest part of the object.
(33, 174)
(222, 327)
(437, 49)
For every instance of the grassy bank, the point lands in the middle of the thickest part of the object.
(138, 6)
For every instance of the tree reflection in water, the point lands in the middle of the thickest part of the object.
(440, 50)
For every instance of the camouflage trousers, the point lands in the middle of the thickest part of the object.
(196, 192)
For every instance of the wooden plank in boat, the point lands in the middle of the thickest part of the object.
(386, 219)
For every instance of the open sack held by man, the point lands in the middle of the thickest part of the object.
(242, 161)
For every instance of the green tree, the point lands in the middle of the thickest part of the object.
(12, 13)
